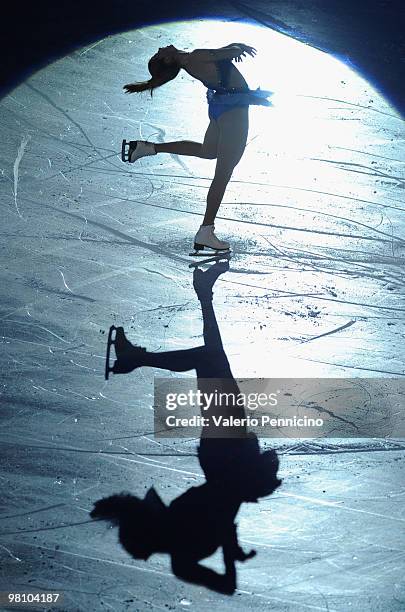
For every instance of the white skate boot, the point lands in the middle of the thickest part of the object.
(136, 150)
(205, 238)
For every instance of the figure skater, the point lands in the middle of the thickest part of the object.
(228, 97)
(202, 519)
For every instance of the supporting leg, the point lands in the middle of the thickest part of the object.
(216, 191)
(233, 131)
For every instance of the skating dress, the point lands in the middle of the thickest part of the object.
(222, 98)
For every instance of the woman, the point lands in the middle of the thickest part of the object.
(228, 99)
(201, 520)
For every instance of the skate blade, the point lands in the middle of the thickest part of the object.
(225, 255)
(210, 252)
(198, 248)
(124, 153)
(110, 342)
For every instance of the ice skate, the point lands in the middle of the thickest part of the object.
(129, 357)
(135, 149)
(220, 256)
(203, 282)
(206, 239)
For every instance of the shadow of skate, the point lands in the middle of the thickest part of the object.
(202, 520)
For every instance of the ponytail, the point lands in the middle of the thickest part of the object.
(161, 73)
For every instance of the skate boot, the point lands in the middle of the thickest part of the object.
(129, 356)
(206, 239)
(135, 149)
(203, 282)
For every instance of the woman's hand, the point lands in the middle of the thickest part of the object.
(235, 51)
(240, 555)
(131, 88)
(245, 49)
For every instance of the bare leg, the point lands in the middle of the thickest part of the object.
(233, 131)
(207, 361)
(130, 357)
(182, 147)
(206, 150)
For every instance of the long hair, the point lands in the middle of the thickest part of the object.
(161, 73)
(141, 522)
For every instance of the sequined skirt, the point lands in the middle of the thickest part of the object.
(220, 101)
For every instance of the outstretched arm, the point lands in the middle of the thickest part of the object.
(187, 569)
(231, 547)
(191, 571)
(233, 51)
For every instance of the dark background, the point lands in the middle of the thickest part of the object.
(369, 33)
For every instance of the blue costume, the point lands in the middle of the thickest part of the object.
(223, 98)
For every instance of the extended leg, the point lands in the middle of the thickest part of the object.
(135, 149)
(129, 357)
(206, 150)
(183, 147)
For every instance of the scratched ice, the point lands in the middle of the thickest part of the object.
(315, 215)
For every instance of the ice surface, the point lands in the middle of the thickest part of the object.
(315, 214)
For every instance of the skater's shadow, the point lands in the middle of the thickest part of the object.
(202, 519)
